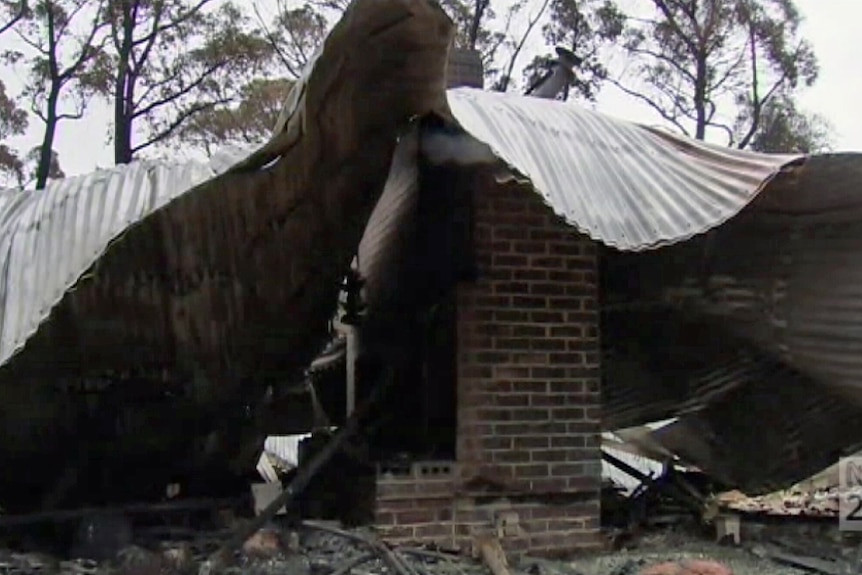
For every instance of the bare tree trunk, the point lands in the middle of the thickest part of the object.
(46, 151)
(700, 98)
(476, 24)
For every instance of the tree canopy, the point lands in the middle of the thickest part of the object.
(199, 74)
(715, 65)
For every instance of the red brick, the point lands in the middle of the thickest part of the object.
(511, 372)
(567, 387)
(569, 441)
(568, 413)
(395, 505)
(529, 302)
(567, 331)
(396, 532)
(415, 517)
(510, 233)
(512, 400)
(531, 442)
(548, 344)
(567, 358)
(511, 288)
(433, 530)
(529, 274)
(550, 456)
(511, 457)
(548, 262)
(531, 387)
(528, 403)
(531, 414)
(511, 343)
(550, 485)
(547, 317)
(512, 315)
(529, 331)
(581, 454)
(531, 470)
(544, 400)
(510, 260)
(529, 247)
(384, 518)
(567, 469)
(492, 443)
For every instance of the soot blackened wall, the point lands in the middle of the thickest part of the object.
(528, 425)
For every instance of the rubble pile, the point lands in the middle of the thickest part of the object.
(324, 549)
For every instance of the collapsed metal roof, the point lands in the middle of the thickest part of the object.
(625, 185)
(622, 184)
(50, 238)
(630, 187)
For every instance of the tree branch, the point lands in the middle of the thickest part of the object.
(179, 20)
(178, 94)
(178, 121)
(476, 22)
(504, 81)
(149, 41)
(732, 68)
(727, 129)
(61, 31)
(153, 86)
(755, 99)
(22, 11)
(87, 48)
(664, 58)
(653, 104)
(32, 43)
(677, 29)
(270, 37)
(67, 116)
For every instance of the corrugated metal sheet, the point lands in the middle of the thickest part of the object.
(234, 283)
(627, 186)
(49, 238)
(792, 288)
(767, 434)
(620, 478)
(381, 251)
(789, 288)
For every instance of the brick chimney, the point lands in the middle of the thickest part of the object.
(465, 69)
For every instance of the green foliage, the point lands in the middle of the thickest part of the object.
(64, 50)
(584, 27)
(783, 128)
(707, 65)
(487, 28)
(172, 60)
(249, 121)
(11, 11)
(13, 122)
(295, 34)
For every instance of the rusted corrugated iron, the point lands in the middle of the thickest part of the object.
(227, 288)
(787, 290)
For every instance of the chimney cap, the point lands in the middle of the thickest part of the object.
(568, 58)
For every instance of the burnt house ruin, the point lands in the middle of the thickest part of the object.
(529, 272)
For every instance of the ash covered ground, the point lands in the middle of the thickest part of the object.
(282, 550)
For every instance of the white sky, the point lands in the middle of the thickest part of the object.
(833, 26)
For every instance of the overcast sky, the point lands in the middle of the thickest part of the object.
(833, 26)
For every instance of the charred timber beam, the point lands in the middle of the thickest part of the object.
(303, 477)
(61, 515)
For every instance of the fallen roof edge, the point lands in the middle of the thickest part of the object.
(638, 188)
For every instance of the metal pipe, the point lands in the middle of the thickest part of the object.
(559, 78)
